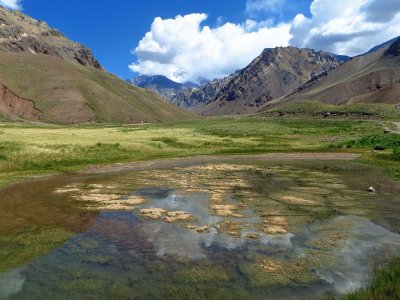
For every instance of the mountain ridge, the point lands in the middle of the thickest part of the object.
(274, 73)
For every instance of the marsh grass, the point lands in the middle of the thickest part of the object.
(32, 149)
(385, 284)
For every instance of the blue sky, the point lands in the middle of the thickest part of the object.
(112, 31)
(213, 37)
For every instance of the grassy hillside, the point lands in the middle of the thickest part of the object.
(66, 92)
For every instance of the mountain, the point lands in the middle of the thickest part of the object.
(161, 85)
(22, 34)
(273, 74)
(196, 98)
(370, 78)
(46, 77)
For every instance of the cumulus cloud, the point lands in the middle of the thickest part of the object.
(183, 49)
(12, 4)
(346, 27)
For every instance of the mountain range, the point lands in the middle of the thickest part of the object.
(288, 74)
(273, 74)
(161, 85)
(46, 77)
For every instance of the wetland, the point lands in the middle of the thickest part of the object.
(218, 228)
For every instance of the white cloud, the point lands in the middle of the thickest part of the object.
(347, 27)
(12, 4)
(183, 49)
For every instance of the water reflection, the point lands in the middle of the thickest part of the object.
(249, 231)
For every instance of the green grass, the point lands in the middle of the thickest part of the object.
(30, 149)
(385, 284)
(382, 111)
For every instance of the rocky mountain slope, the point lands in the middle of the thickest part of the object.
(275, 73)
(370, 78)
(23, 34)
(46, 77)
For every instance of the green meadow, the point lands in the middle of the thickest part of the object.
(27, 150)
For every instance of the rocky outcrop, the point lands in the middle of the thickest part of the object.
(21, 33)
(13, 106)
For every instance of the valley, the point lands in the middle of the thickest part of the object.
(278, 181)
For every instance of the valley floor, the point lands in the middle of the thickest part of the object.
(30, 150)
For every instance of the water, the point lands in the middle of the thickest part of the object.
(230, 230)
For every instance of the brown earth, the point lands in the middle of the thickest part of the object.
(13, 106)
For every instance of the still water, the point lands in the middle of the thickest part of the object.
(224, 230)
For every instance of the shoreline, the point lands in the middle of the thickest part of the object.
(203, 159)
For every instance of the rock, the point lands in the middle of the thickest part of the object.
(371, 190)
(386, 130)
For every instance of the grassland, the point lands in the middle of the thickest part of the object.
(27, 150)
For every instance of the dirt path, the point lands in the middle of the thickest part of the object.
(188, 161)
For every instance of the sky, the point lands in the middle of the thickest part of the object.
(190, 39)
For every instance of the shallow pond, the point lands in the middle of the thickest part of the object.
(229, 230)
